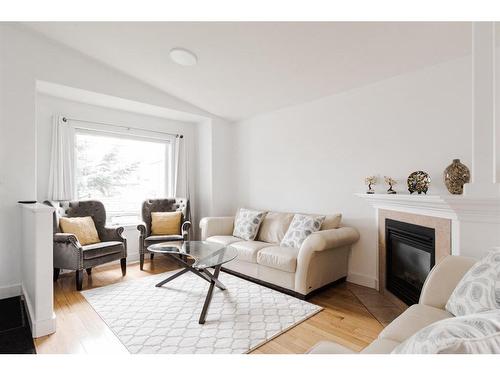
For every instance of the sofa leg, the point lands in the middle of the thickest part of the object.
(151, 256)
(141, 261)
(89, 271)
(123, 264)
(56, 273)
(79, 279)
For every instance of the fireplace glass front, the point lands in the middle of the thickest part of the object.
(410, 255)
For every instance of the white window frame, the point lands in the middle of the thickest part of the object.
(86, 127)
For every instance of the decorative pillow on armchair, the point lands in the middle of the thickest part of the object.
(301, 227)
(246, 224)
(479, 289)
(82, 227)
(471, 334)
(166, 223)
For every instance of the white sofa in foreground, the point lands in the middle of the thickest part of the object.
(320, 261)
(437, 289)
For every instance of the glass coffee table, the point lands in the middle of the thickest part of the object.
(206, 255)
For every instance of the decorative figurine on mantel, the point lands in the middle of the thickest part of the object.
(419, 182)
(455, 176)
(371, 180)
(391, 182)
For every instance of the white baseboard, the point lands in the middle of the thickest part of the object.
(363, 280)
(39, 328)
(8, 291)
(134, 257)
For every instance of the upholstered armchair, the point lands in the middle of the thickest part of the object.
(71, 255)
(162, 205)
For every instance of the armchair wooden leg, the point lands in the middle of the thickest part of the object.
(79, 279)
(56, 273)
(141, 261)
(89, 271)
(151, 256)
(123, 263)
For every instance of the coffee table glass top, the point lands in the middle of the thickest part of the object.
(205, 254)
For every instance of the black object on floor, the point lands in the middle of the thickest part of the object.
(15, 332)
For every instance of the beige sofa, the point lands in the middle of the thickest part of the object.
(436, 291)
(321, 260)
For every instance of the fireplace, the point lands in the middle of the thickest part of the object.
(410, 255)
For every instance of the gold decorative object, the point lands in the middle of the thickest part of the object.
(455, 176)
(370, 180)
(419, 182)
(391, 182)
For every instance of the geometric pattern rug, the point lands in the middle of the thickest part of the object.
(164, 320)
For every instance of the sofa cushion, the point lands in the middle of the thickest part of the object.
(247, 223)
(101, 249)
(479, 289)
(300, 228)
(470, 334)
(412, 320)
(380, 346)
(224, 240)
(274, 227)
(331, 221)
(280, 258)
(247, 250)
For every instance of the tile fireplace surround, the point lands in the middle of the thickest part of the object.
(464, 225)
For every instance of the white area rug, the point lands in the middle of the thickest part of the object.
(164, 320)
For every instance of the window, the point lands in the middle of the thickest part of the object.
(121, 171)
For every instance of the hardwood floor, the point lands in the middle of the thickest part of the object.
(353, 316)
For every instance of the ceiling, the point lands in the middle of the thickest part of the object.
(247, 68)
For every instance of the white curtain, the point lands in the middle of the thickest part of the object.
(176, 167)
(61, 182)
(180, 180)
(180, 184)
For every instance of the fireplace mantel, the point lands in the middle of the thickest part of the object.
(470, 209)
(475, 222)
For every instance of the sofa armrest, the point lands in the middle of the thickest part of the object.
(67, 238)
(113, 234)
(67, 252)
(185, 227)
(329, 239)
(216, 226)
(334, 240)
(443, 279)
(329, 347)
(142, 229)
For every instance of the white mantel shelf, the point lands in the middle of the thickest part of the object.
(447, 206)
(475, 222)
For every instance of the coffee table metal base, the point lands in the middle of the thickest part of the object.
(204, 274)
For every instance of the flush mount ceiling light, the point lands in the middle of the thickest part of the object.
(183, 56)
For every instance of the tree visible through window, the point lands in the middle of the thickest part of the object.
(121, 172)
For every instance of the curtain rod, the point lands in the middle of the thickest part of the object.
(66, 119)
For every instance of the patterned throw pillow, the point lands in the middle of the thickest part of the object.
(479, 289)
(246, 224)
(301, 227)
(471, 334)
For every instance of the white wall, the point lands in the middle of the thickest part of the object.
(313, 157)
(26, 57)
(310, 157)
